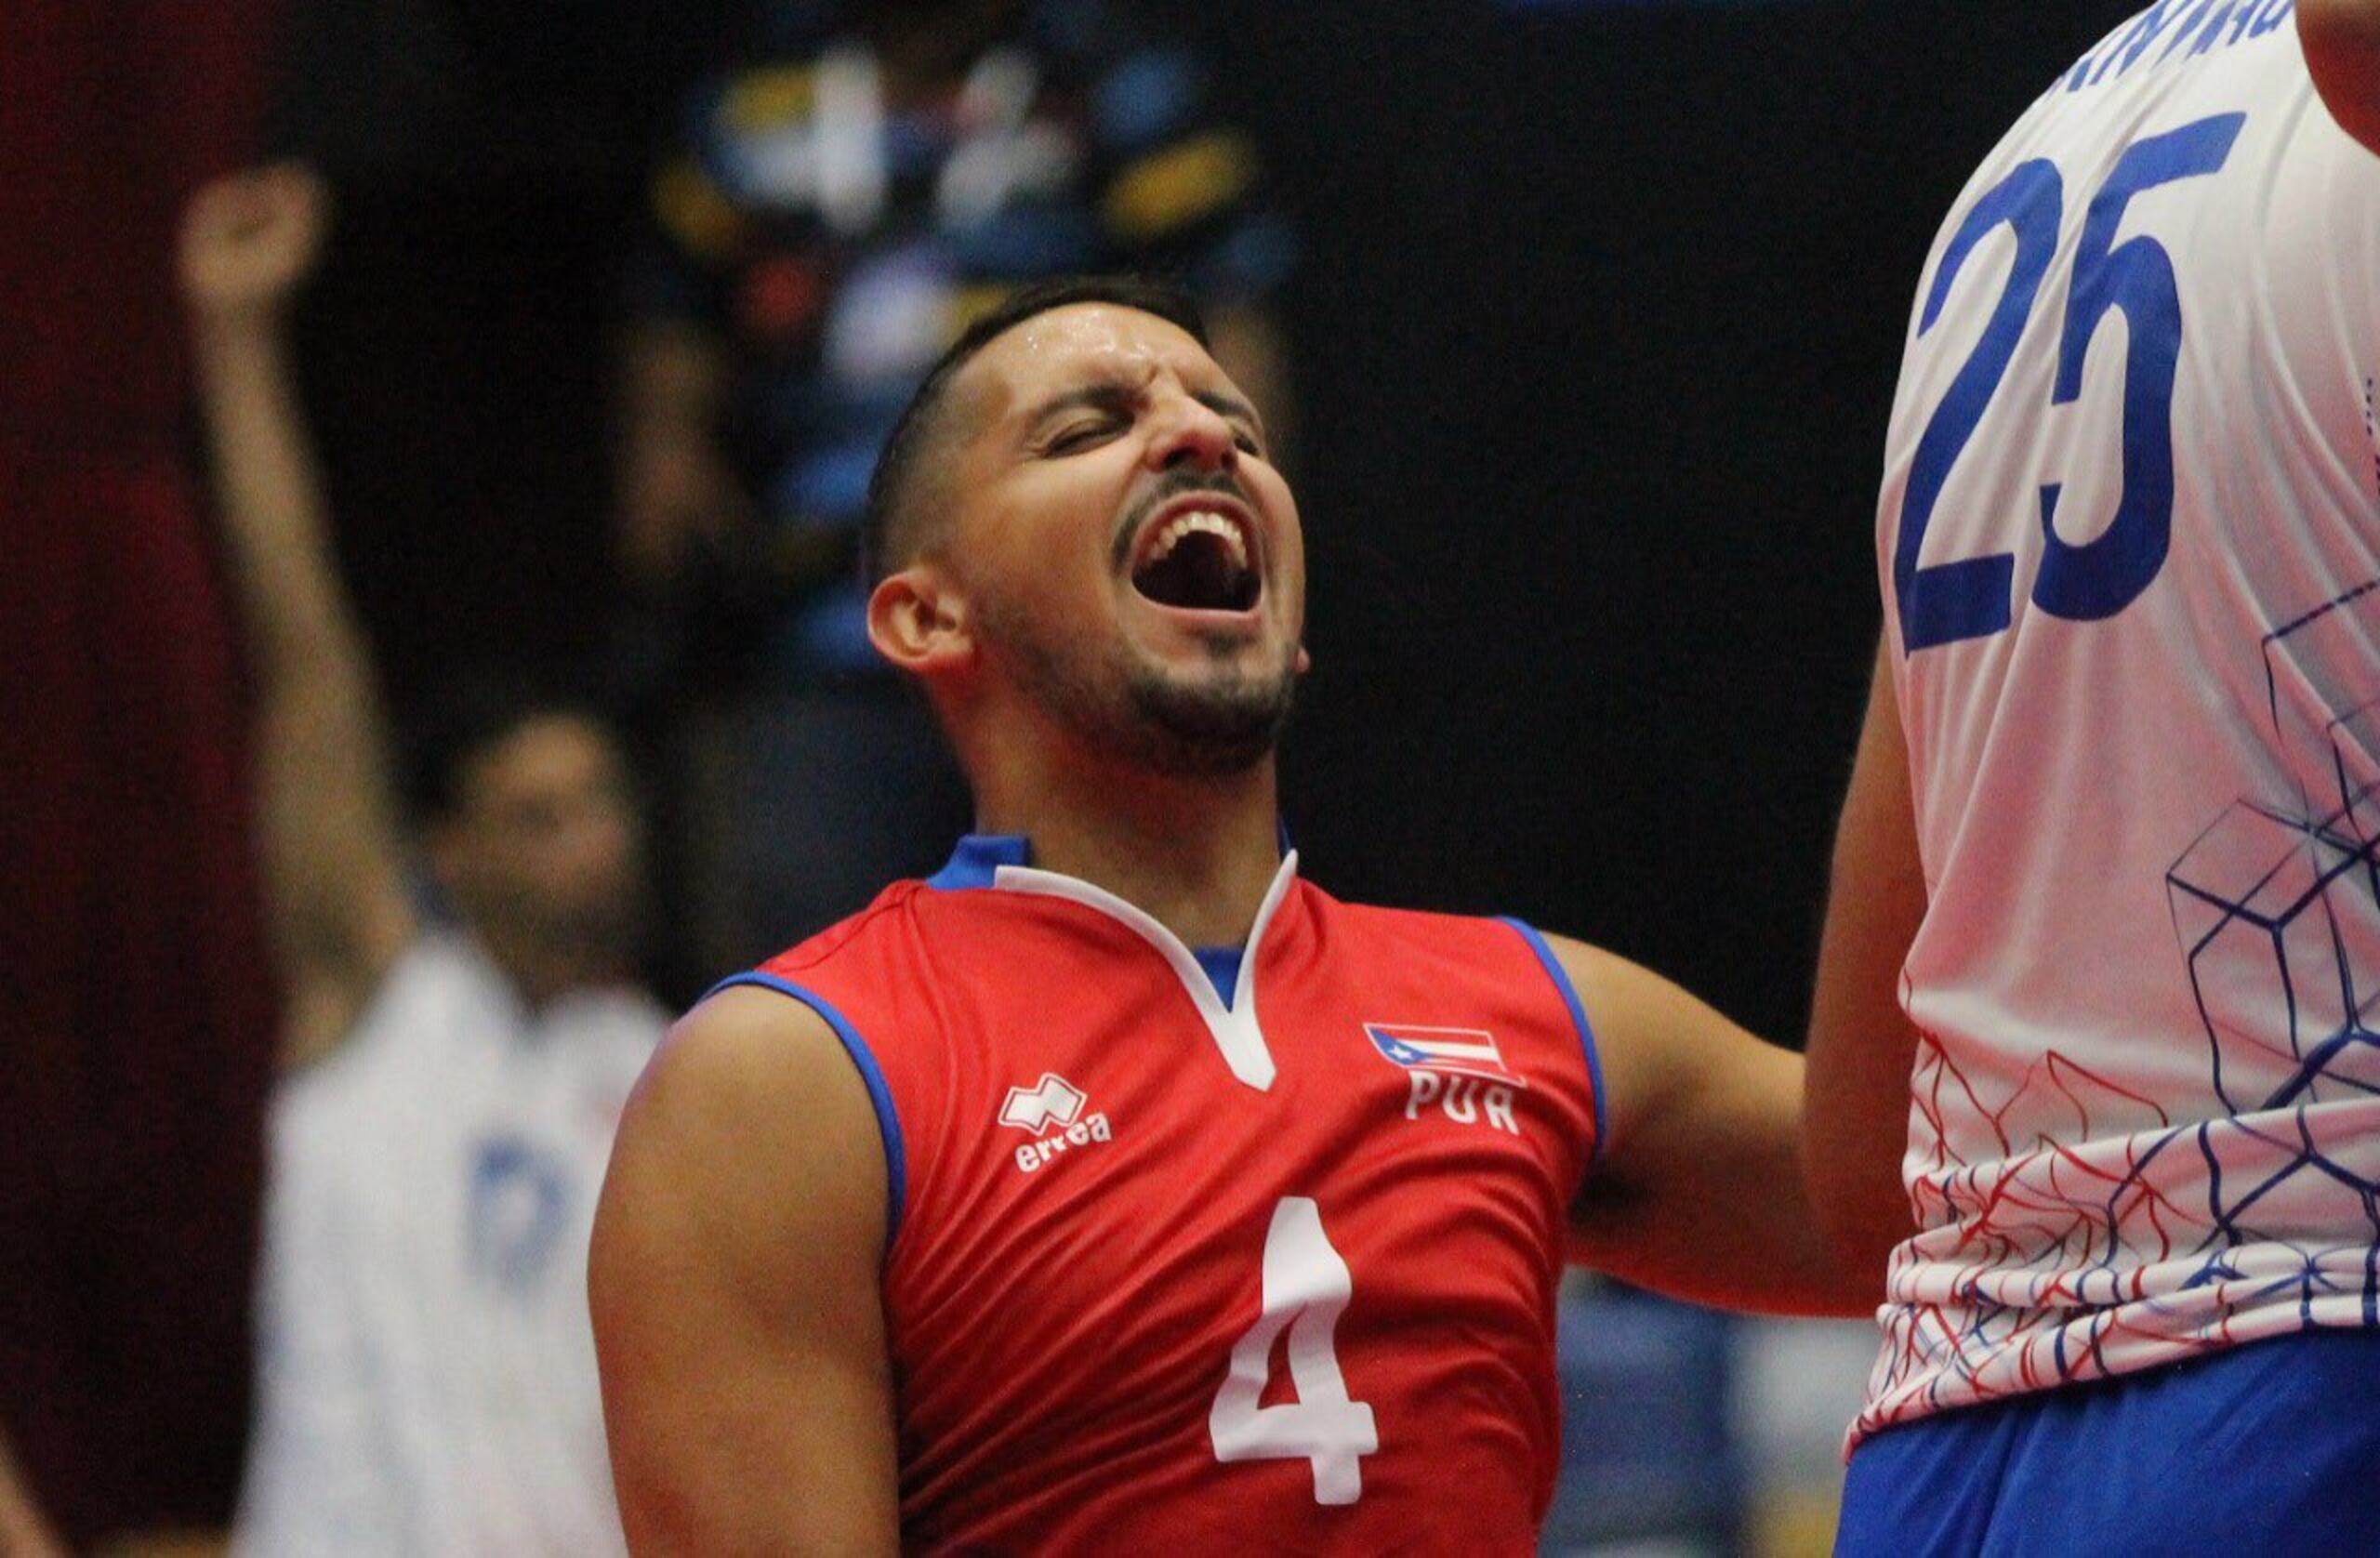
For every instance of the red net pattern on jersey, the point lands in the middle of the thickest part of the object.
(2104, 1233)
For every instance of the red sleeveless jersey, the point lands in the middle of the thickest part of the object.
(1207, 1275)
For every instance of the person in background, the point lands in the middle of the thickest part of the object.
(2097, 989)
(838, 207)
(427, 1375)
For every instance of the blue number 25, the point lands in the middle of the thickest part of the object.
(1970, 597)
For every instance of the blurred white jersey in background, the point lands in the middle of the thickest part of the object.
(428, 1387)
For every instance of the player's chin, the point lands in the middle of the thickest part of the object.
(1232, 717)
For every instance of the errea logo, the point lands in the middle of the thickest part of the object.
(1052, 1112)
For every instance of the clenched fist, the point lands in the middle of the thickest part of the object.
(249, 239)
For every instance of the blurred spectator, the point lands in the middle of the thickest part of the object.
(835, 212)
(1796, 1383)
(1691, 1434)
(136, 1028)
(428, 1382)
(1651, 1461)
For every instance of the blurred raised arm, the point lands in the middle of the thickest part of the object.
(676, 495)
(333, 873)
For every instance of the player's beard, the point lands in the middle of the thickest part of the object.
(1205, 724)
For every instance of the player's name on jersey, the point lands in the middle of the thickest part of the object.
(2177, 29)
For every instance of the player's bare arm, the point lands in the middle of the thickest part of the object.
(1698, 1191)
(334, 883)
(734, 1287)
(1862, 1045)
(2341, 40)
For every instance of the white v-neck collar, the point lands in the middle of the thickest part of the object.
(1235, 1027)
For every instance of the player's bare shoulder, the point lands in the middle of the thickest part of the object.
(751, 1092)
(755, 1073)
(733, 1284)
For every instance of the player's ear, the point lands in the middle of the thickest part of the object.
(917, 619)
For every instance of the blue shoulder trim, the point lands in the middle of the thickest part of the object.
(879, 1094)
(1561, 978)
(978, 857)
(1221, 964)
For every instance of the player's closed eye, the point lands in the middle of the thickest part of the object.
(1079, 436)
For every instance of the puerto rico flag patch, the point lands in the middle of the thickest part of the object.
(1450, 1051)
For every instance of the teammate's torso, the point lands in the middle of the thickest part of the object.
(2131, 508)
(435, 1185)
(1276, 1271)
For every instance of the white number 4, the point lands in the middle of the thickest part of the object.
(1306, 1288)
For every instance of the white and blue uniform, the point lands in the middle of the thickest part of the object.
(2130, 548)
(428, 1382)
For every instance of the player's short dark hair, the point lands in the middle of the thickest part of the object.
(886, 533)
(475, 711)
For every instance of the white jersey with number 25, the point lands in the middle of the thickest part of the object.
(2130, 548)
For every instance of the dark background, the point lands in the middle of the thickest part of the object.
(1595, 342)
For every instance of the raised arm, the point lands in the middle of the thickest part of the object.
(677, 494)
(2341, 40)
(734, 1284)
(1862, 1045)
(333, 876)
(23, 1532)
(1700, 1192)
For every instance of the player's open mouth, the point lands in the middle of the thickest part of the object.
(1200, 558)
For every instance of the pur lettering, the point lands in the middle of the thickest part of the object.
(1462, 1100)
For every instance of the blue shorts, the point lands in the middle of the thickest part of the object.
(2273, 1447)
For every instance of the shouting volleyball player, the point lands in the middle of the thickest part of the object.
(1118, 1184)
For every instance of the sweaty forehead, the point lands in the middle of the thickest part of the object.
(1083, 343)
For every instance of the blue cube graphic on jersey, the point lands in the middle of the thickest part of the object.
(2278, 903)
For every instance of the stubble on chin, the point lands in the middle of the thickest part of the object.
(1210, 727)
(1196, 725)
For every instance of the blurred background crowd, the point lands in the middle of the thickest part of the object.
(428, 616)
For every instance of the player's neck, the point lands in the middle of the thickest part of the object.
(1197, 855)
(541, 970)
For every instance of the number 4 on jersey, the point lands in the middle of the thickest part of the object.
(1306, 1288)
